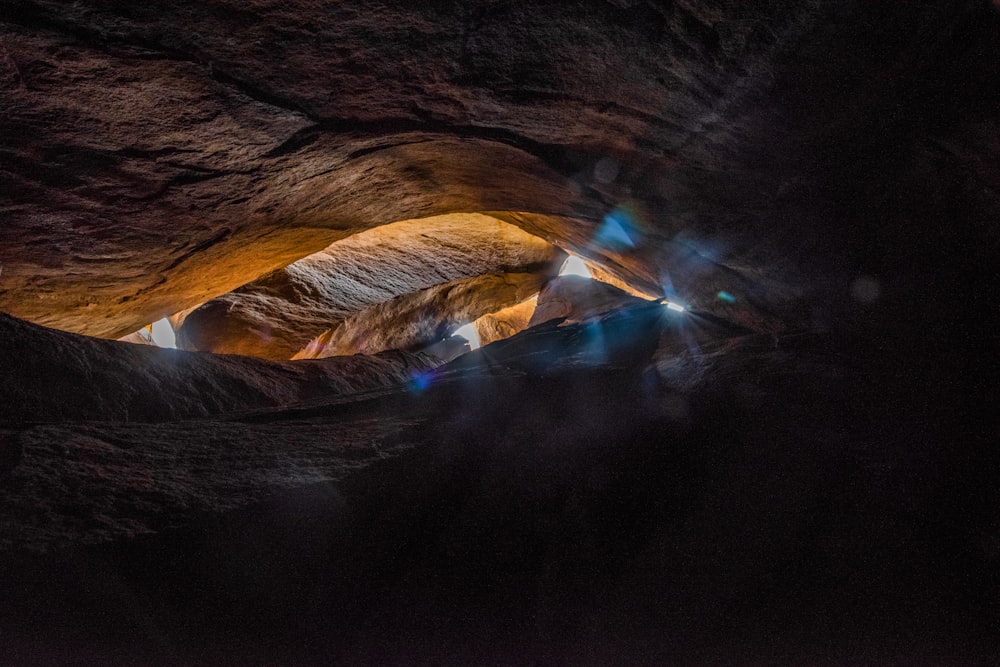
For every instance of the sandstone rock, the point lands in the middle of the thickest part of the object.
(578, 299)
(278, 315)
(140, 337)
(53, 376)
(420, 318)
(505, 323)
(156, 159)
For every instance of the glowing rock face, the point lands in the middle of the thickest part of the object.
(421, 318)
(505, 323)
(578, 299)
(277, 316)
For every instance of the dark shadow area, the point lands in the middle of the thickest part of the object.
(558, 511)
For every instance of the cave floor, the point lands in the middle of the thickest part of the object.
(667, 494)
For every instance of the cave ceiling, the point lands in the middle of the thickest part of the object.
(155, 157)
(329, 201)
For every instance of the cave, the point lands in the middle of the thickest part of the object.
(480, 332)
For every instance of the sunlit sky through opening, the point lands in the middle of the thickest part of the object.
(469, 333)
(163, 334)
(574, 266)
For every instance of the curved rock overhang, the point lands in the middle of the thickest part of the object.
(278, 315)
(677, 487)
(155, 158)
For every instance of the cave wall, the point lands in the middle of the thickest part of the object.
(276, 316)
(157, 157)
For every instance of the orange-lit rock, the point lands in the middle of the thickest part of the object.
(153, 160)
(83, 378)
(424, 317)
(577, 299)
(278, 315)
(506, 322)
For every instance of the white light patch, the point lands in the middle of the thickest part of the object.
(676, 306)
(574, 266)
(163, 334)
(469, 333)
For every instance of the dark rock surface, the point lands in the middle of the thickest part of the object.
(53, 376)
(800, 470)
(638, 488)
(155, 158)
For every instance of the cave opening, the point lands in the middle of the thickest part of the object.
(507, 333)
(407, 285)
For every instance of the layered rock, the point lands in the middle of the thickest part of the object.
(277, 316)
(421, 318)
(576, 299)
(54, 376)
(506, 322)
(156, 159)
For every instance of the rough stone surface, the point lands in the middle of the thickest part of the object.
(53, 376)
(505, 323)
(156, 158)
(421, 318)
(276, 316)
(575, 299)
(638, 487)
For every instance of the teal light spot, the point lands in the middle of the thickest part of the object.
(727, 297)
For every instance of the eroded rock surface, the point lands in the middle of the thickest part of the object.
(54, 376)
(576, 299)
(421, 318)
(278, 315)
(506, 322)
(156, 158)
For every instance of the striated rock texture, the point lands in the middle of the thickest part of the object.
(421, 318)
(276, 316)
(505, 323)
(801, 469)
(155, 158)
(576, 299)
(636, 487)
(53, 376)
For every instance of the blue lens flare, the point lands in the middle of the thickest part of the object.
(618, 231)
(420, 381)
(727, 297)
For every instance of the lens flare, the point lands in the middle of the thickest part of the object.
(420, 381)
(617, 232)
(727, 297)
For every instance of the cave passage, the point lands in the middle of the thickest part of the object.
(597, 332)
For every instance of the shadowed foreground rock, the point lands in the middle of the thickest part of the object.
(645, 486)
(52, 376)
